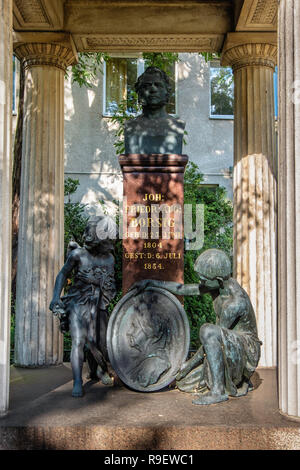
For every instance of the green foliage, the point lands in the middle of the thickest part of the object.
(118, 254)
(221, 87)
(192, 178)
(199, 309)
(121, 116)
(218, 213)
(89, 64)
(210, 56)
(70, 187)
(75, 218)
(163, 60)
(222, 95)
(218, 210)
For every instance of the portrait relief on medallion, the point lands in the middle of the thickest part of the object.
(149, 337)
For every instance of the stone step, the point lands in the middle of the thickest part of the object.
(43, 415)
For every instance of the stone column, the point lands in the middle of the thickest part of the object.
(5, 196)
(38, 341)
(255, 180)
(289, 208)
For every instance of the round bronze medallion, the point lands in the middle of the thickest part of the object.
(148, 339)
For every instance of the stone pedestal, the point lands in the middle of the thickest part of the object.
(289, 208)
(5, 196)
(255, 178)
(153, 241)
(38, 341)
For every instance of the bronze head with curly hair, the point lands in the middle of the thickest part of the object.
(154, 131)
(153, 81)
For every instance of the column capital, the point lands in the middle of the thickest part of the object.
(52, 49)
(246, 49)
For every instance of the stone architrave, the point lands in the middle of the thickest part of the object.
(289, 208)
(152, 184)
(253, 58)
(5, 196)
(38, 341)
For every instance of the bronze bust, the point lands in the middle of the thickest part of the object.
(154, 131)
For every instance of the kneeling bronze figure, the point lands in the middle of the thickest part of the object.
(230, 349)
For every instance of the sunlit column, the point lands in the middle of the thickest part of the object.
(255, 179)
(41, 233)
(289, 208)
(5, 196)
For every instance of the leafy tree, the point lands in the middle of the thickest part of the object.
(86, 70)
(222, 92)
(74, 213)
(218, 214)
(221, 87)
(121, 116)
(210, 56)
(163, 60)
(118, 254)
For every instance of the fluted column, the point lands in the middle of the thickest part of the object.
(255, 179)
(5, 196)
(40, 246)
(289, 207)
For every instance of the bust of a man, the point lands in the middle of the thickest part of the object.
(154, 131)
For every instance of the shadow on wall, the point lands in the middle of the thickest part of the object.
(89, 137)
(89, 151)
(255, 195)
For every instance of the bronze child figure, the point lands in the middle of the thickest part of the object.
(84, 306)
(230, 350)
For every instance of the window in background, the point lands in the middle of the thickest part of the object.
(120, 75)
(221, 92)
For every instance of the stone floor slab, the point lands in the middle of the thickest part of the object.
(43, 415)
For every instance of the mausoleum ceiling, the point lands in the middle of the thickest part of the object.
(153, 25)
(258, 15)
(38, 15)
